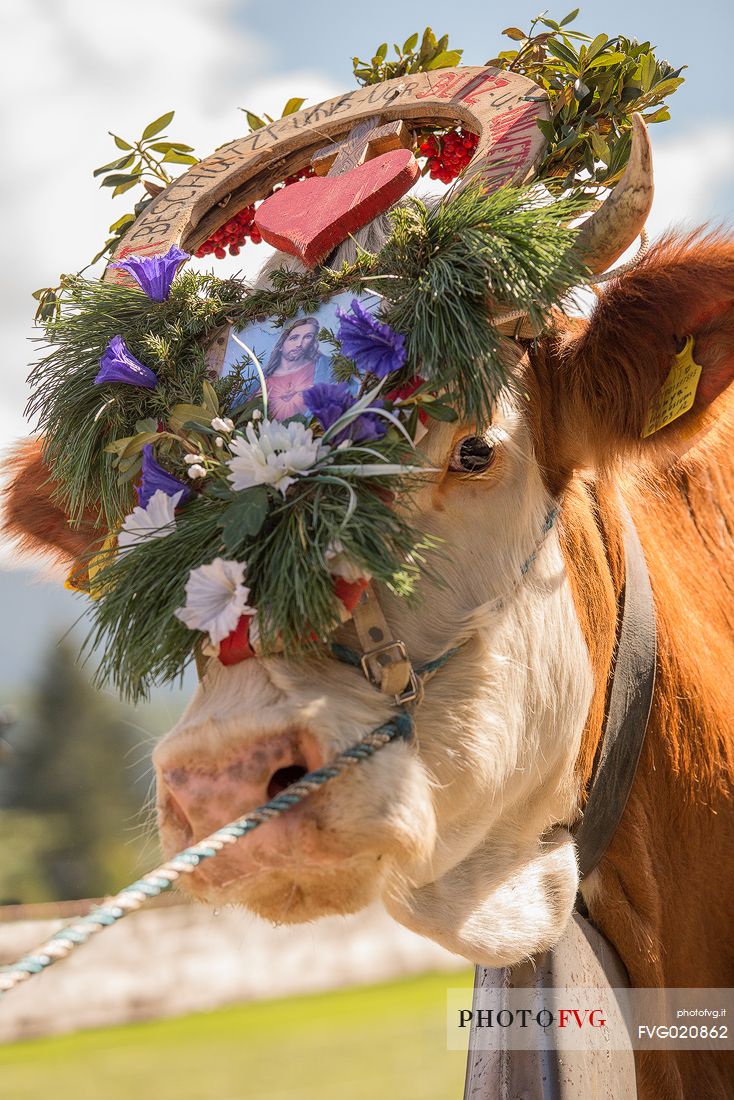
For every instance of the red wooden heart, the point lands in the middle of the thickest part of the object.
(309, 219)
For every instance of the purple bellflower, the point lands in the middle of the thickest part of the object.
(154, 274)
(118, 364)
(155, 477)
(375, 347)
(327, 401)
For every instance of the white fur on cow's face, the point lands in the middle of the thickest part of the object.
(448, 830)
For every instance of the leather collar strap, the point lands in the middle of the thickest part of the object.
(628, 711)
(384, 660)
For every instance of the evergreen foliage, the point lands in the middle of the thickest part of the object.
(70, 791)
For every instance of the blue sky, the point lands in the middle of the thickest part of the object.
(329, 34)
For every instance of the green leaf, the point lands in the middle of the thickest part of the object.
(514, 33)
(648, 69)
(117, 178)
(209, 398)
(173, 157)
(183, 413)
(630, 94)
(178, 146)
(381, 52)
(428, 46)
(661, 115)
(120, 142)
(445, 60)
(547, 129)
(123, 187)
(244, 518)
(253, 121)
(596, 46)
(600, 147)
(410, 43)
(150, 424)
(131, 470)
(294, 104)
(667, 87)
(605, 60)
(563, 52)
(114, 165)
(157, 125)
(219, 490)
(570, 17)
(438, 411)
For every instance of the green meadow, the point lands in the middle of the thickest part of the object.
(386, 1041)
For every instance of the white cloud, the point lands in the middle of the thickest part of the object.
(692, 174)
(72, 70)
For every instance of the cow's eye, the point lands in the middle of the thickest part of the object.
(473, 454)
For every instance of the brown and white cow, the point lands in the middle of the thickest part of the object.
(464, 834)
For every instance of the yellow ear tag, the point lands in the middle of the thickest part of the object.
(677, 393)
(84, 576)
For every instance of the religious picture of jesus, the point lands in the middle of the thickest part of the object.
(290, 355)
(295, 364)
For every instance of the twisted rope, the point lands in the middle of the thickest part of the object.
(615, 272)
(133, 897)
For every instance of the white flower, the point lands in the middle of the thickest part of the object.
(272, 454)
(341, 565)
(219, 442)
(197, 471)
(152, 522)
(223, 424)
(257, 414)
(189, 459)
(216, 597)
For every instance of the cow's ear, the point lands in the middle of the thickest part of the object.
(30, 515)
(635, 362)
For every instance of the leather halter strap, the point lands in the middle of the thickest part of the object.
(628, 711)
(384, 659)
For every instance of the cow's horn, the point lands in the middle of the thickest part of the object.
(619, 220)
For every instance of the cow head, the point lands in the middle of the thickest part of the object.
(463, 833)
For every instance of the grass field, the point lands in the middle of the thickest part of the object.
(386, 1041)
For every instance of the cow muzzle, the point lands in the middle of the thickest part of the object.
(199, 792)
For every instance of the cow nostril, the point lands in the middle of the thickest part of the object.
(170, 810)
(284, 777)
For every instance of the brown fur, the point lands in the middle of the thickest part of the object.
(30, 515)
(666, 884)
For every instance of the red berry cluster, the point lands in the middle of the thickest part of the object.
(448, 154)
(234, 233)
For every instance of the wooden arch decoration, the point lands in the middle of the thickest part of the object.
(502, 108)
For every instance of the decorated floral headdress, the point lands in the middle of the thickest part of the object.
(226, 530)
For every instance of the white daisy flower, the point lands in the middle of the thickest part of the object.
(340, 564)
(216, 597)
(274, 454)
(152, 522)
(223, 424)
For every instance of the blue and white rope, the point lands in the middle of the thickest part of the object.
(133, 897)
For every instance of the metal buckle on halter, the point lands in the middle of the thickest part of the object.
(413, 692)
